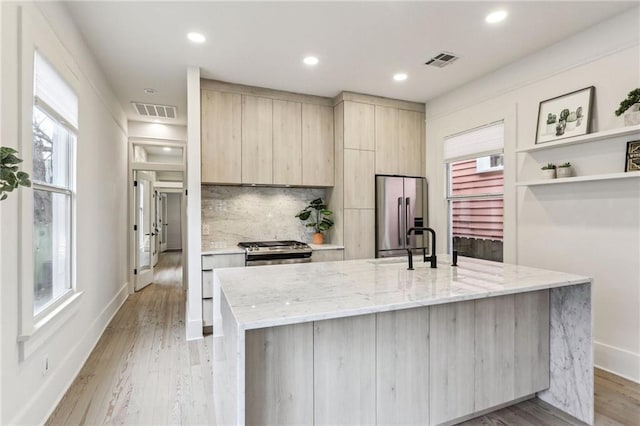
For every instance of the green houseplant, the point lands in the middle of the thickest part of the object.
(564, 170)
(318, 217)
(10, 175)
(549, 171)
(630, 107)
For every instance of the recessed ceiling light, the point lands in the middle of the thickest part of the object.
(311, 60)
(149, 91)
(166, 148)
(496, 16)
(400, 76)
(196, 37)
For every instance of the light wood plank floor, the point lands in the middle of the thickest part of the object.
(143, 372)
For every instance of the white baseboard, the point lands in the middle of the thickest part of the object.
(194, 329)
(70, 366)
(618, 361)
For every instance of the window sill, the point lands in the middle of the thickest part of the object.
(46, 327)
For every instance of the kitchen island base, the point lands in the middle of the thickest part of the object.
(436, 354)
(435, 364)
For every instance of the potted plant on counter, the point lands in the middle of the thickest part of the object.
(564, 170)
(318, 216)
(549, 171)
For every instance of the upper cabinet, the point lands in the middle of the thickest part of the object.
(257, 140)
(317, 145)
(221, 131)
(400, 140)
(287, 143)
(259, 136)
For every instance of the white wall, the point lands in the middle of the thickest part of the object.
(28, 397)
(590, 228)
(144, 130)
(174, 221)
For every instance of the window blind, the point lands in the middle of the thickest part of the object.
(52, 91)
(478, 142)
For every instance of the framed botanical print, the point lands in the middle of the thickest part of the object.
(565, 116)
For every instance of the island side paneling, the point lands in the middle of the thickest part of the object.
(427, 365)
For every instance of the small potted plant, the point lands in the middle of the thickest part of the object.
(318, 216)
(564, 170)
(630, 107)
(10, 175)
(549, 171)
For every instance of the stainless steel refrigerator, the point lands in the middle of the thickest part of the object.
(401, 203)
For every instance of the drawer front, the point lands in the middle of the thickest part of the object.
(213, 261)
(327, 255)
(207, 312)
(207, 284)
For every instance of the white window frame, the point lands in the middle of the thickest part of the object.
(35, 330)
(450, 198)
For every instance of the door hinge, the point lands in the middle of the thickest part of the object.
(135, 183)
(135, 272)
(135, 227)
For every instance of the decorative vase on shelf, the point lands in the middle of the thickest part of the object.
(632, 115)
(318, 238)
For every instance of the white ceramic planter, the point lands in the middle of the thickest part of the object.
(632, 115)
(549, 174)
(564, 172)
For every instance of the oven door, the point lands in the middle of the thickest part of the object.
(261, 262)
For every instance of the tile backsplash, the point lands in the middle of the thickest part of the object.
(232, 214)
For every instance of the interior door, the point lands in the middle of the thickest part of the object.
(144, 228)
(162, 222)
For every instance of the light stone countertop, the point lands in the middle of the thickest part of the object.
(266, 296)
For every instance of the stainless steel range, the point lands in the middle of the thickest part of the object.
(275, 252)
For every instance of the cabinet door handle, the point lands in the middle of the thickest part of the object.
(406, 218)
(399, 226)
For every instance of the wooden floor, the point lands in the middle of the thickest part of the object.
(143, 372)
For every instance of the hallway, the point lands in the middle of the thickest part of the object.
(142, 370)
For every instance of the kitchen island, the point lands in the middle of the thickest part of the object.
(369, 342)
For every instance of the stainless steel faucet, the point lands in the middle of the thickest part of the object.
(433, 259)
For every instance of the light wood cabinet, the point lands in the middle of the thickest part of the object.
(287, 142)
(221, 131)
(359, 126)
(359, 233)
(386, 138)
(332, 255)
(252, 135)
(317, 145)
(411, 140)
(257, 140)
(210, 262)
(344, 354)
(359, 179)
(400, 140)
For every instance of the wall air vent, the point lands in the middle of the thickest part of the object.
(155, 111)
(442, 60)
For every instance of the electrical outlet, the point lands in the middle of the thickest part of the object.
(45, 365)
(205, 229)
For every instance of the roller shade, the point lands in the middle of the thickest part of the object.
(51, 91)
(478, 142)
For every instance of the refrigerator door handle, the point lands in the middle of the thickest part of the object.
(399, 226)
(406, 219)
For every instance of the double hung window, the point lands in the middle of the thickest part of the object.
(55, 124)
(474, 165)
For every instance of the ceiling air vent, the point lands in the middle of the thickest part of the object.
(155, 111)
(442, 60)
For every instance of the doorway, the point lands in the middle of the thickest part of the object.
(157, 202)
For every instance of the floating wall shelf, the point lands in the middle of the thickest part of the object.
(591, 137)
(607, 176)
